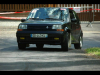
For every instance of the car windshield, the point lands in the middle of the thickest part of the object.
(48, 13)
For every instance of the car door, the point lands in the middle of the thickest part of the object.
(73, 27)
(77, 26)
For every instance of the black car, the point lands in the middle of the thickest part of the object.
(53, 26)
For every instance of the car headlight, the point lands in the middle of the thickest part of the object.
(22, 27)
(57, 27)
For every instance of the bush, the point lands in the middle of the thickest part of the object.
(94, 51)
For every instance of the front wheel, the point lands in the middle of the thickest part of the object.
(21, 46)
(80, 44)
(64, 46)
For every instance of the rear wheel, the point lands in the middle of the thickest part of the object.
(21, 46)
(39, 46)
(64, 46)
(80, 44)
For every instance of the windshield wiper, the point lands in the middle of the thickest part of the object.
(52, 18)
(36, 19)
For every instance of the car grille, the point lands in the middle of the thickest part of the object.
(39, 27)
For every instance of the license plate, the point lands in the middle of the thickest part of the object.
(38, 35)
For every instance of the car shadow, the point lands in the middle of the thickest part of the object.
(45, 49)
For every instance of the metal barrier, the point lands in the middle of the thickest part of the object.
(86, 15)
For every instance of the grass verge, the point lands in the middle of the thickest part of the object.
(94, 52)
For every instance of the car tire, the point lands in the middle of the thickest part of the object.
(21, 46)
(64, 46)
(80, 44)
(39, 46)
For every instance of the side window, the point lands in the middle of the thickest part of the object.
(76, 17)
(72, 15)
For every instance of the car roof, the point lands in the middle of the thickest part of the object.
(54, 7)
(70, 10)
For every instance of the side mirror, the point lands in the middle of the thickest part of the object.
(22, 20)
(74, 20)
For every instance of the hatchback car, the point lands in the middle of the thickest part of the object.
(53, 26)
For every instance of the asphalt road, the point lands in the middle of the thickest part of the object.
(50, 58)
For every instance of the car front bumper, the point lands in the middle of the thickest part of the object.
(51, 39)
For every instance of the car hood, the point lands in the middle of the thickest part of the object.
(42, 22)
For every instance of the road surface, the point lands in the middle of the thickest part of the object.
(50, 58)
